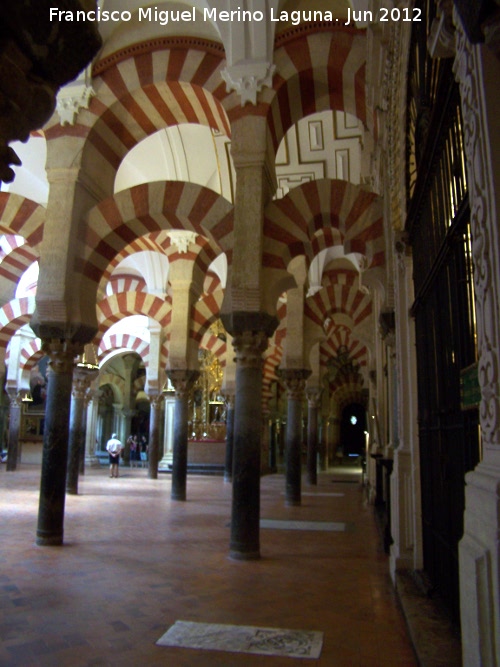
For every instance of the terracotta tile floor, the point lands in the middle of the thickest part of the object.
(134, 562)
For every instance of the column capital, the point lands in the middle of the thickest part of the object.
(182, 380)
(156, 400)
(313, 395)
(229, 399)
(15, 398)
(294, 380)
(62, 354)
(248, 347)
(81, 384)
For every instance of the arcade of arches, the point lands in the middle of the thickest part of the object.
(268, 249)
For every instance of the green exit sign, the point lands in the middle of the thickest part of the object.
(470, 391)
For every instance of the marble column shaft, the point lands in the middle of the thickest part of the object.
(156, 401)
(228, 462)
(295, 380)
(245, 515)
(55, 442)
(14, 431)
(77, 426)
(182, 380)
(313, 402)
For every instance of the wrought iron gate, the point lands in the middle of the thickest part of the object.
(438, 226)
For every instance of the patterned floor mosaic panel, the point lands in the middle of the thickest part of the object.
(244, 639)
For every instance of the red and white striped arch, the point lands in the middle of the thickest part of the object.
(126, 283)
(115, 308)
(14, 315)
(124, 341)
(9, 243)
(343, 337)
(211, 283)
(317, 72)
(272, 360)
(115, 381)
(29, 355)
(202, 252)
(320, 214)
(341, 296)
(14, 264)
(21, 216)
(143, 89)
(214, 345)
(120, 220)
(205, 312)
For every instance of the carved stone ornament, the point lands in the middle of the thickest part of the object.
(295, 382)
(62, 354)
(71, 99)
(181, 239)
(313, 395)
(15, 398)
(248, 79)
(81, 384)
(156, 400)
(249, 347)
(182, 380)
(484, 226)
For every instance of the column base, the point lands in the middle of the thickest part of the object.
(49, 540)
(178, 496)
(244, 555)
(293, 502)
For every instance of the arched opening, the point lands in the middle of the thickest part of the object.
(352, 431)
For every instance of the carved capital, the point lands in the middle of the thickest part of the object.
(313, 395)
(81, 384)
(62, 354)
(71, 99)
(182, 381)
(181, 239)
(230, 399)
(156, 400)
(248, 79)
(294, 380)
(248, 347)
(15, 398)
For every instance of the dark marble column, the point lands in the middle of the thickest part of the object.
(295, 381)
(55, 441)
(127, 414)
(81, 463)
(273, 466)
(228, 463)
(14, 430)
(156, 401)
(245, 517)
(313, 403)
(182, 381)
(77, 429)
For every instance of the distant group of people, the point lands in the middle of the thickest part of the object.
(138, 447)
(138, 450)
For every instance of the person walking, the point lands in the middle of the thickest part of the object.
(114, 448)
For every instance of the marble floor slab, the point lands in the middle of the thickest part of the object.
(326, 526)
(244, 639)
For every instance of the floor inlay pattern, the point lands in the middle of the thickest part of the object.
(244, 639)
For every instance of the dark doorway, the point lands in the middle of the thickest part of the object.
(352, 430)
